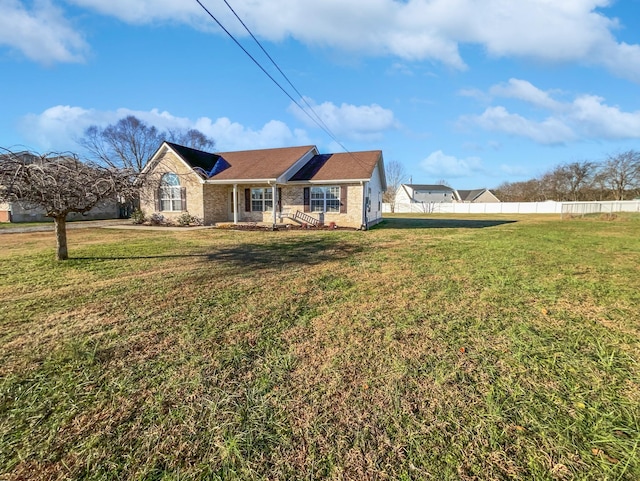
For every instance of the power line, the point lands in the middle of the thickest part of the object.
(319, 121)
(278, 67)
(328, 132)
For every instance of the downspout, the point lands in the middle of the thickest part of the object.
(274, 193)
(235, 204)
(364, 206)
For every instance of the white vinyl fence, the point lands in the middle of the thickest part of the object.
(550, 207)
(579, 209)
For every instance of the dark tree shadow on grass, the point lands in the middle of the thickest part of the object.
(261, 255)
(421, 223)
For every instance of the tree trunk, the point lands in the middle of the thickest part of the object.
(61, 237)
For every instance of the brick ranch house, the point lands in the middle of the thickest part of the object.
(290, 185)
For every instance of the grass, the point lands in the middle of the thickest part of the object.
(501, 347)
(9, 225)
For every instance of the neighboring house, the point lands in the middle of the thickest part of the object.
(294, 185)
(21, 212)
(477, 195)
(436, 194)
(7, 208)
(425, 194)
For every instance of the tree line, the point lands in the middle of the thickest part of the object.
(615, 178)
(61, 183)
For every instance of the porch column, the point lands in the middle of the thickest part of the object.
(274, 193)
(235, 203)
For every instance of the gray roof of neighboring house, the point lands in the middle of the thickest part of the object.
(470, 195)
(430, 187)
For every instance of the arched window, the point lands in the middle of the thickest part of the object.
(171, 195)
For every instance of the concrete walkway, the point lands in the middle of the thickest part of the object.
(128, 225)
(80, 224)
(156, 227)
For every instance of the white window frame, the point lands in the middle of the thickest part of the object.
(170, 193)
(325, 199)
(261, 200)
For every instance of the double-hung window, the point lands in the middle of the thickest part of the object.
(325, 199)
(261, 200)
(170, 193)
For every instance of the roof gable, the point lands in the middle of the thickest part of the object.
(259, 164)
(276, 164)
(470, 195)
(202, 162)
(430, 187)
(342, 166)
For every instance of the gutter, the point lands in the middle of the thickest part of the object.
(240, 181)
(326, 181)
(364, 206)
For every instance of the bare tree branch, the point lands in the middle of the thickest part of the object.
(131, 142)
(60, 183)
(621, 173)
(396, 175)
(614, 179)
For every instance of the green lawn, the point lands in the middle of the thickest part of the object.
(10, 225)
(443, 348)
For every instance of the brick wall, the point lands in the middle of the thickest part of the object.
(293, 199)
(213, 203)
(21, 212)
(188, 179)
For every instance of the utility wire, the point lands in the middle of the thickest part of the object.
(304, 99)
(317, 121)
(328, 132)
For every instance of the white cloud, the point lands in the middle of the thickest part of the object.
(548, 131)
(149, 11)
(41, 34)
(398, 68)
(587, 117)
(354, 122)
(600, 120)
(523, 90)
(441, 165)
(544, 30)
(474, 94)
(57, 128)
(515, 170)
(234, 136)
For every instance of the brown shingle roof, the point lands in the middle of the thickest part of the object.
(342, 166)
(260, 164)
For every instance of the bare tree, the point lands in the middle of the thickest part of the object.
(396, 175)
(621, 173)
(579, 178)
(60, 184)
(131, 142)
(128, 144)
(527, 191)
(568, 182)
(553, 184)
(616, 178)
(190, 138)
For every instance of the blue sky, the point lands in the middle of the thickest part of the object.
(472, 92)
